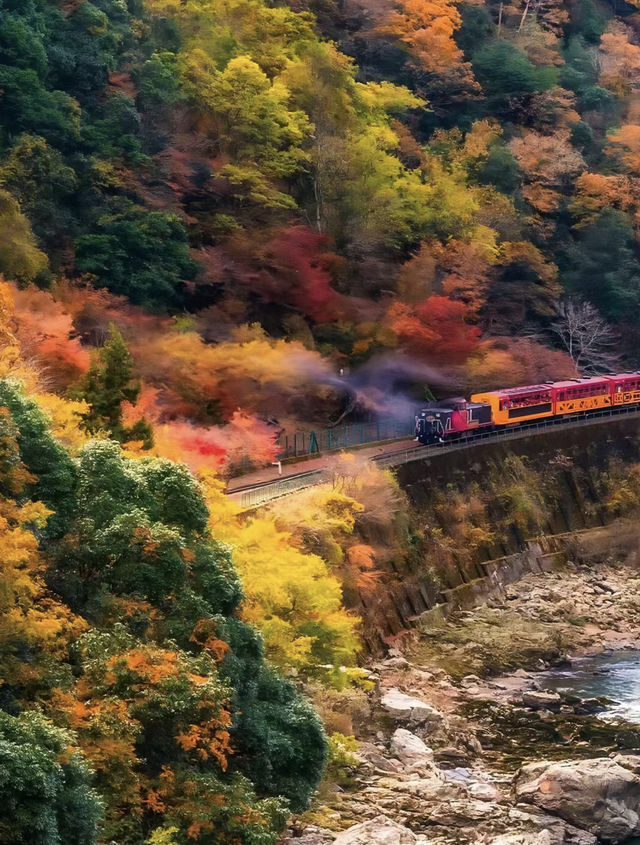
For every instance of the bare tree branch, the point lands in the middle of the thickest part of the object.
(588, 338)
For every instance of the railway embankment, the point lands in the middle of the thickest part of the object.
(524, 559)
(482, 518)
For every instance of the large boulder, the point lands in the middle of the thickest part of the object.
(406, 708)
(410, 749)
(378, 831)
(541, 700)
(310, 836)
(598, 795)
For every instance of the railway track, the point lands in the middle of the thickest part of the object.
(253, 495)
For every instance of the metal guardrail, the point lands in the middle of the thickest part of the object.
(269, 490)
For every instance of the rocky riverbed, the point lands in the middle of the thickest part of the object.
(466, 739)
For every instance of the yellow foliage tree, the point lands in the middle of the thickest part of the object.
(31, 621)
(290, 595)
(20, 257)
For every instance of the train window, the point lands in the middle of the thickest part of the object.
(524, 400)
(583, 391)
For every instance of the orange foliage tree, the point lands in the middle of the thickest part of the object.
(624, 145)
(619, 59)
(427, 28)
(595, 191)
(549, 162)
(435, 329)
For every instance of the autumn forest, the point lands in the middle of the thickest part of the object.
(213, 215)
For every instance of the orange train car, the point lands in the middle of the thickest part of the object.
(518, 404)
(576, 396)
(625, 389)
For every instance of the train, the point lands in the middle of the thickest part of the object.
(449, 419)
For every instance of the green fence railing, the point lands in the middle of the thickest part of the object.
(342, 437)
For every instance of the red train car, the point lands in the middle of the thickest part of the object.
(450, 418)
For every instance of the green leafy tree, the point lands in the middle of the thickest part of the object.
(589, 20)
(140, 532)
(115, 133)
(504, 70)
(36, 174)
(138, 253)
(158, 83)
(501, 169)
(602, 266)
(29, 107)
(580, 69)
(45, 789)
(476, 26)
(53, 473)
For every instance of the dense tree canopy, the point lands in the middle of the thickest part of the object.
(221, 222)
(165, 683)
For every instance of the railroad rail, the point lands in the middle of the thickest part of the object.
(252, 496)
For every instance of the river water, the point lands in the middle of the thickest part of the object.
(615, 675)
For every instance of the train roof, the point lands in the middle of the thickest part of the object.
(574, 382)
(633, 374)
(527, 388)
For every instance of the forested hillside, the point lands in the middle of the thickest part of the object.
(258, 195)
(214, 216)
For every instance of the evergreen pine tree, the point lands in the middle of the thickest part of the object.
(109, 382)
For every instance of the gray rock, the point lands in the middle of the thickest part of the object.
(557, 835)
(368, 753)
(378, 831)
(485, 792)
(536, 821)
(406, 708)
(430, 788)
(458, 812)
(628, 761)
(588, 706)
(521, 673)
(451, 757)
(396, 663)
(409, 748)
(597, 795)
(460, 774)
(541, 700)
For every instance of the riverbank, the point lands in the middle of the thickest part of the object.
(451, 721)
